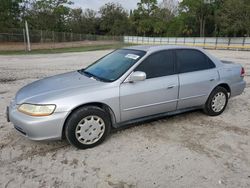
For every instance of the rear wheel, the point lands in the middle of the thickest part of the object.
(87, 127)
(216, 102)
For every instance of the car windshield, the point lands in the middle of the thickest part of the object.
(114, 65)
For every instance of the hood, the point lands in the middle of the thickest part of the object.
(59, 83)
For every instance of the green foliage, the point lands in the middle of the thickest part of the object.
(199, 12)
(114, 19)
(82, 22)
(9, 14)
(193, 18)
(234, 18)
(48, 14)
(150, 19)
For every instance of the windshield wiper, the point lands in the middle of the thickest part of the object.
(90, 75)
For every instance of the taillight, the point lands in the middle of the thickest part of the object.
(242, 72)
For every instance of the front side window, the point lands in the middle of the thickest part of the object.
(114, 65)
(192, 60)
(158, 64)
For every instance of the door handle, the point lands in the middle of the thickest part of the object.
(171, 87)
(211, 80)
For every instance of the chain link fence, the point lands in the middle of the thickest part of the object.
(237, 43)
(16, 39)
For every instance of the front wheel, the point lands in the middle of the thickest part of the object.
(87, 127)
(216, 102)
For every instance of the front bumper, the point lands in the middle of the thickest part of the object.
(37, 128)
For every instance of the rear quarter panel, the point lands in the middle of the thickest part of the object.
(230, 74)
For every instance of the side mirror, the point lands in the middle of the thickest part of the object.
(137, 76)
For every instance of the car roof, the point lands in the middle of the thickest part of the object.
(155, 48)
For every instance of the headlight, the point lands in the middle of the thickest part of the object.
(37, 110)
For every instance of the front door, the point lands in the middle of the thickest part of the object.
(157, 94)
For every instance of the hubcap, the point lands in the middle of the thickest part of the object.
(218, 102)
(90, 129)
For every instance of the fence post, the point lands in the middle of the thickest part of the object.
(24, 40)
(244, 41)
(53, 38)
(204, 43)
(41, 37)
(216, 42)
(28, 35)
(229, 42)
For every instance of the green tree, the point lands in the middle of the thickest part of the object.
(142, 16)
(10, 14)
(234, 18)
(49, 14)
(197, 10)
(149, 18)
(114, 19)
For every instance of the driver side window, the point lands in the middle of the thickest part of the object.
(158, 64)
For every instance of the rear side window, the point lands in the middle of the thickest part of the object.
(192, 60)
(158, 64)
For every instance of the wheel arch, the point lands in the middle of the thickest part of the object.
(225, 86)
(101, 105)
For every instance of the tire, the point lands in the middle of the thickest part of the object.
(215, 107)
(87, 127)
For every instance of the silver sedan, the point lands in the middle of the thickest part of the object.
(126, 86)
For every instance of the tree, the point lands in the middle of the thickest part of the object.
(49, 14)
(171, 5)
(150, 19)
(198, 10)
(234, 18)
(75, 20)
(10, 11)
(143, 17)
(90, 22)
(114, 19)
(160, 19)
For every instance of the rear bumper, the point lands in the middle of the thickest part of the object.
(37, 128)
(238, 88)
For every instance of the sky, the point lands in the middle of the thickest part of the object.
(96, 4)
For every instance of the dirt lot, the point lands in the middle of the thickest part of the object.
(188, 150)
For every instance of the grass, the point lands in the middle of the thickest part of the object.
(67, 50)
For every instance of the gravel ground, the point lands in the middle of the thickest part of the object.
(187, 150)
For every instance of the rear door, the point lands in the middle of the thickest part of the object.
(157, 94)
(197, 75)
